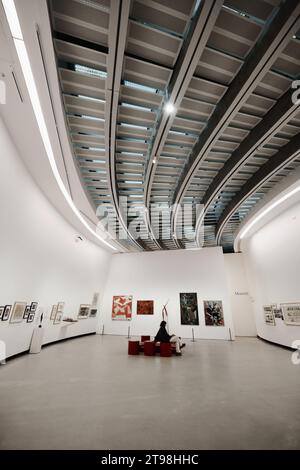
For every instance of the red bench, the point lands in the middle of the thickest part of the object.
(150, 348)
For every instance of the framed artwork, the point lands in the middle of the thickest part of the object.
(58, 318)
(122, 307)
(18, 312)
(84, 311)
(30, 316)
(277, 311)
(291, 313)
(33, 306)
(269, 315)
(145, 307)
(26, 313)
(1, 311)
(213, 313)
(93, 312)
(53, 312)
(189, 308)
(60, 306)
(6, 313)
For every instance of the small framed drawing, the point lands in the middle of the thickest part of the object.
(18, 312)
(269, 315)
(84, 311)
(53, 312)
(60, 306)
(93, 312)
(291, 313)
(1, 312)
(26, 313)
(6, 313)
(30, 316)
(58, 318)
(33, 306)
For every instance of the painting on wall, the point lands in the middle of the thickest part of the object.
(60, 306)
(58, 317)
(1, 311)
(26, 313)
(213, 312)
(33, 306)
(291, 313)
(277, 311)
(53, 312)
(6, 313)
(84, 311)
(145, 307)
(18, 312)
(30, 316)
(122, 307)
(269, 315)
(189, 308)
(93, 312)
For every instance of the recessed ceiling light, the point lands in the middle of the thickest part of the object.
(294, 36)
(169, 108)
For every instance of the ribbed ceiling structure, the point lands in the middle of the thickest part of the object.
(227, 67)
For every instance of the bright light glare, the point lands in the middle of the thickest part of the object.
(269, 209)
(12, 18)
(33, 93)
(169, 108)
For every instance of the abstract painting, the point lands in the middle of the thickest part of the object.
(18, 312)
(189, 308)
(144, 307)
(213, 312)
(122, 307)
(93, 312)
(6, 313)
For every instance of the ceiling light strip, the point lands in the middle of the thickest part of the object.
(15, 28)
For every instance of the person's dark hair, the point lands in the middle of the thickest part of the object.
(163, 323)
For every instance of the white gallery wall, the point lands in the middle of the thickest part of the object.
(39, 258)
(272, 258)
(162, 276)
(240, 298)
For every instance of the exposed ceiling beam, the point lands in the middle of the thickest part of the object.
(264, 54)
(278, 116)
(189, 56)
(282, 158)
(118, 24)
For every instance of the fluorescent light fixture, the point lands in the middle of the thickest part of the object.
(12, 18)
(269, 209)
(15, 28)
(169, 108)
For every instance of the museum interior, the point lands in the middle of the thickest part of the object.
(149, 172)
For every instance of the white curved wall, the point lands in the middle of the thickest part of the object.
(272, 257)
(39, 259)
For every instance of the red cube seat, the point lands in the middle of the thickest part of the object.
(149, 348)
(133, 347)
(165, 349)
(145, 338)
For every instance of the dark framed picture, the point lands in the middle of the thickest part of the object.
(1, 311)
(93, 312)
(6, 313)
(30, 317)
(26, 313)
(33, 306)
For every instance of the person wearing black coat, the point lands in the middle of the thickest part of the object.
(163, 337)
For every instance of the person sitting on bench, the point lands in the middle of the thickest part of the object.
(163, 337)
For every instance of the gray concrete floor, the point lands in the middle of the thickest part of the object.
(88, 393)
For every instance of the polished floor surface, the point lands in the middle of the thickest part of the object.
(87, 393)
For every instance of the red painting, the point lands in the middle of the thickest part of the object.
(122, 307)
(144, 307)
